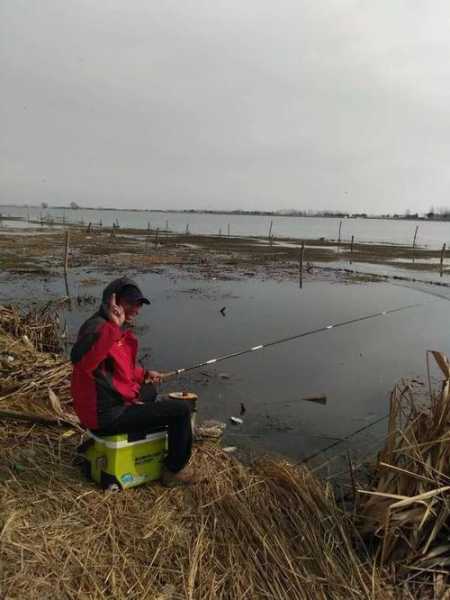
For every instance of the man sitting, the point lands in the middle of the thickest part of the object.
(112, 394)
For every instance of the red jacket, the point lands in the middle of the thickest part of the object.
(105, 376)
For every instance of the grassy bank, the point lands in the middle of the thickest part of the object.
(271, 530)
(268, 530)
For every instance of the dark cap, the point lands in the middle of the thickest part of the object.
(132, 294)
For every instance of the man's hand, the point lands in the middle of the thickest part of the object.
(152, 377)
(115, 312)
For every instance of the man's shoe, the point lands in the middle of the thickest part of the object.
(184, 477)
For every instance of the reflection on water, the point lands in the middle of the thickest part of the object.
(355, 366)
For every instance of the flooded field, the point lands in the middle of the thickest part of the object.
(213, 296)
(355, 366)
(430, 234)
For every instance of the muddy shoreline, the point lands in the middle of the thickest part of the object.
(41, 252)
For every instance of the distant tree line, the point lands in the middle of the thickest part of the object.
(436, 214)
(441, 214)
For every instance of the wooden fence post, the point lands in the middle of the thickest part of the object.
(442, 260)
(66, 263)
(415, 236)
(414, 243)
(300, 266)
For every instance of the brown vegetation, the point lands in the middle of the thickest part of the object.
(42, 251)
(270, 530)
(408, 509)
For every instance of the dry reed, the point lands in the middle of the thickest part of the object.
(39, 326)
(408, 508)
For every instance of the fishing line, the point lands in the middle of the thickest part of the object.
(376, 421)
(420, 290)
(342, 440)
(289, 338)
(303, 334)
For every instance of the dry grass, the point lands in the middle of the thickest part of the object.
(269, 531)
(409, 507)
(32, 380)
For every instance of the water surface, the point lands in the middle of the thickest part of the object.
(356, 366)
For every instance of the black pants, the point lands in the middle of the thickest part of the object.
(175, 414)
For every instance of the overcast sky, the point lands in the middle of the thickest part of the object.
(253, 104)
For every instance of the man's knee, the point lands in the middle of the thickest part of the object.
(148, 393)
(181, 408)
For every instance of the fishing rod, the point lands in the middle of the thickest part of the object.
(212, 361)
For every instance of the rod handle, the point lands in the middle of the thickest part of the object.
(168, 375)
